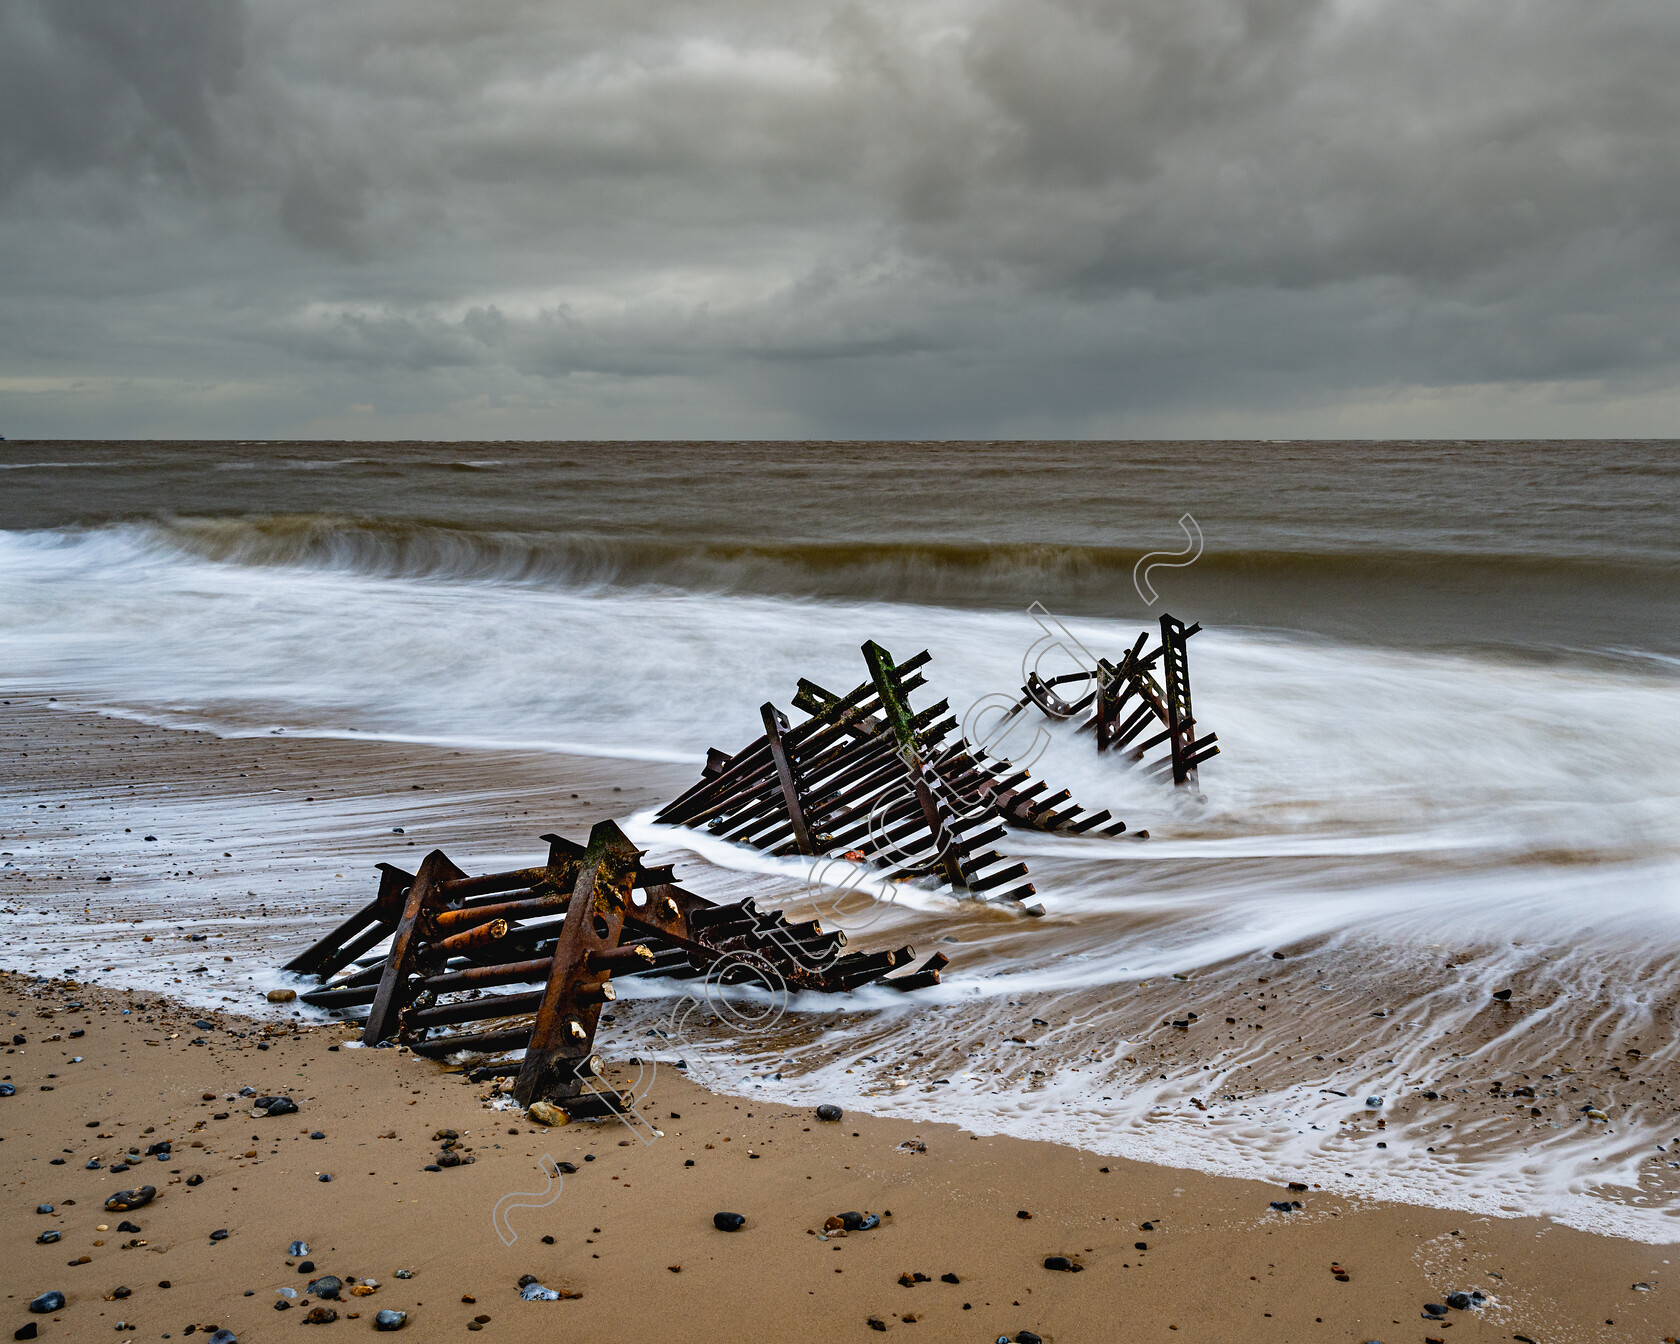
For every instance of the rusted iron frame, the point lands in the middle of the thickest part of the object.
(1181, 721)
(751, 761)
(962, 774)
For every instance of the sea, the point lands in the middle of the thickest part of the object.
(1444, 676)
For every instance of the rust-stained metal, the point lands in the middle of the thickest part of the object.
(869, 774)
(1126, 700)
(454, 936)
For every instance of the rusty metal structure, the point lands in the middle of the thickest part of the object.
(1162, 704)
(868, 776)
(588, 915)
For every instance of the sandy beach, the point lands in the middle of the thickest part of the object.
(295, 813)
(632, 1228)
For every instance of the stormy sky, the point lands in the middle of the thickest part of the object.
(854, 218)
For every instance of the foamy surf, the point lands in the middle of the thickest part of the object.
(1413, 829)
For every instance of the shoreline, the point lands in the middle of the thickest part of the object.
(263, 798)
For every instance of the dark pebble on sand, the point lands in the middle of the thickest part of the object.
(1434, 1309)
(728, 1222)
(25, 1331)
(323, 1177)
(1503, 995)
(47, 1238)
(949, 1278)
(827, 1112)
(306, 1267)
(126, 1226)
(124, 1200)
(48, 1302)
(220, 1234)
(1027, 1337)
(327, 1287)
(320, 1316)
(390, 1320)
(195, 1179)
(1022, 1213)
(7, 1090)
(568, 1168)
(1060, 1262)
(43, 1208)
(277, 1105)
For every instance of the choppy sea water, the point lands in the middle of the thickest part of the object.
(1445, 679)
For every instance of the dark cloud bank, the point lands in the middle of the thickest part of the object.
(791, 219)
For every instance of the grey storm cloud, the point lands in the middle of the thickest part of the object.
(922, 218)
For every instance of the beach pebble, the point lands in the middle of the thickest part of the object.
(126, 1226)
(26, 1331)
(47, 1238)
(195, 1179)
(281, 995)
(405, 1273)
(43, 1208)
(323, 1177)
(7, 1090)
(827, 1112)
(390, 1320)
(949, 1278)
(547, 1113)
(1062, 1263)
(1503, 995)
(535, 1292)
(1027, 1337)
(224, 1337)
(728, 1222)
(320, 1316)
(296, 1248)
(1373, 1103)
(327, 1287)
(275, 1106)
(124, 1200)
(48, 1302)
(1434, 1309)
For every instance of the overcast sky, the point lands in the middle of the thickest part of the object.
(839, 218)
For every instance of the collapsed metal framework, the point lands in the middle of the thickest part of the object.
(589, 914)
(1117, 723)
(870, 777)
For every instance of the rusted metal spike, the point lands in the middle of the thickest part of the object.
(434, 870)
(594, 922)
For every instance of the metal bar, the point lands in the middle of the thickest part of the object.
(393, 984)
(564, 1033)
